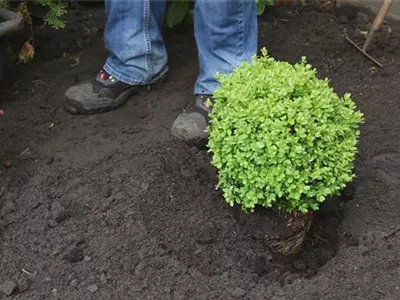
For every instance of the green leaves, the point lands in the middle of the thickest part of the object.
(56, 11)
(177, 12)
(55, 16)
(181, 10)
(280, 137)
(261, 4)
(4, 4)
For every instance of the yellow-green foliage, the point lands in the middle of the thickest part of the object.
(280, 137)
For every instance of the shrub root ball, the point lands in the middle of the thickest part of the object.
(290, 242)
(282, 139)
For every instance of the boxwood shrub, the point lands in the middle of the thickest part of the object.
(280, 137)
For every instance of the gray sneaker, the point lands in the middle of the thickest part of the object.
(190, 125)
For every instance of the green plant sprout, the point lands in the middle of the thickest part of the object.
(54, 17)
(55, 14)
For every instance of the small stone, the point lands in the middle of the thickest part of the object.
(71, 277)
(56, 209)
(87, 258)
(311, 272)
(74, 283)
(8, 163)
(343, 19)
(92, 288)
(8, 220)
(74, 255)
(52, 223)
(50, 160)
(103, 268)
(138, 289)
(299, 265)
(139, 268)
(186, 172)
(145, 186)
(8, 287)
(8, 208)
(364, 250)
(23, 285)
(238, 293)
(54, 292)
(107, 192)
(36, 204)
(198, 251)
(58, 212)
(368, 278)
(82, 284)
(103, 278)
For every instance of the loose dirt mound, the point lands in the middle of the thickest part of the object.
(110, 207)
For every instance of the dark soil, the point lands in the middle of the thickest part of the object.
(111, 207)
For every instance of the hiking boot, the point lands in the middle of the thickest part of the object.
(102, 94)
(190, 125)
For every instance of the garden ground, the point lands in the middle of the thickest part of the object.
(111, 207)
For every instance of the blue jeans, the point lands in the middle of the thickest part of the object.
(225, 32)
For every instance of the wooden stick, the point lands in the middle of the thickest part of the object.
(378, 21)
(363, 52)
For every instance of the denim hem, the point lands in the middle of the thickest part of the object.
(110, 70)
(200, 91)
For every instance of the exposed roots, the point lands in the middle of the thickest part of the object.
(291, 241)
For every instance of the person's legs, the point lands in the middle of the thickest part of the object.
(226, 35)
(137, 57)
(133, 39)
